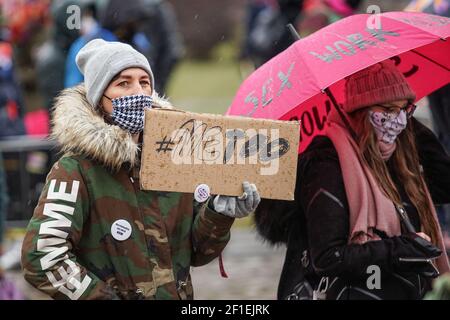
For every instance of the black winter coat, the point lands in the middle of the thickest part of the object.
(315, 227)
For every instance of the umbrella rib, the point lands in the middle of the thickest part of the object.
(431, 60)
(341, 114)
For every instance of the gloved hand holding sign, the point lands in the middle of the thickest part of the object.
(237, 207)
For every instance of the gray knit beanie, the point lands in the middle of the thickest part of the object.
(100, 61)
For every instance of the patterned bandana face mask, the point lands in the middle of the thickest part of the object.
(129, 111)
(387, 125)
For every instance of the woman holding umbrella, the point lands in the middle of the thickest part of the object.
(363, 223)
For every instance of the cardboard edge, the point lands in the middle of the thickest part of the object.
(296, 123)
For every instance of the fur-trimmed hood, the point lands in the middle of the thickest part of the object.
(81, 130)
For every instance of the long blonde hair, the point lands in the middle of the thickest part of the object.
(406, 167)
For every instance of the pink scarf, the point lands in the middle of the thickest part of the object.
(369, 208)
(386, 149)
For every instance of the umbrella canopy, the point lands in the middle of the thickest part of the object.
(302, 82)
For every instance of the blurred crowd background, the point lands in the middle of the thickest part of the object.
(200, 52)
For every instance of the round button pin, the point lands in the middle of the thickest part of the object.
(121, 230)
(202, 193)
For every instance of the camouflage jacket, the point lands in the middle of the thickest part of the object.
(95, 235)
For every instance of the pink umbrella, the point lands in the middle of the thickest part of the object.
(307, 79)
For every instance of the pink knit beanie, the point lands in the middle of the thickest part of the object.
(378, 84)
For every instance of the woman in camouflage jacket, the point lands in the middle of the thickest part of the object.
(94, 234)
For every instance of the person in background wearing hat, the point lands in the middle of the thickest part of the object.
(94, 234)
(344, 235)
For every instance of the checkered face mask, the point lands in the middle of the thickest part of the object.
(129, 111)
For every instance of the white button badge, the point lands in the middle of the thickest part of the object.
(202, 193)
(121, 230)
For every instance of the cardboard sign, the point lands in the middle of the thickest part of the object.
(182, 150)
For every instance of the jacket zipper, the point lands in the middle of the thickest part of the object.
(139, 210)
(138, 290)
(414, 259)
(180, 285)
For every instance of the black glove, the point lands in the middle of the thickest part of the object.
(429, 249)
(416, 255)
